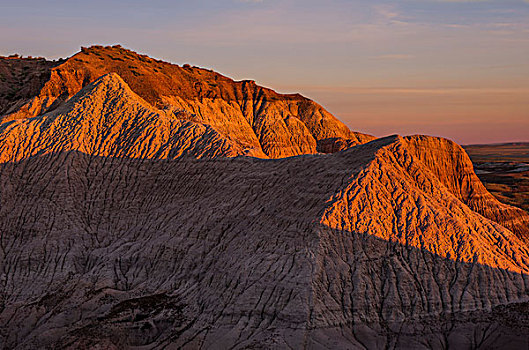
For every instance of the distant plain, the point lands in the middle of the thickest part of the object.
(504, 170)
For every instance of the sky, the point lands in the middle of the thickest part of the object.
(452, 68)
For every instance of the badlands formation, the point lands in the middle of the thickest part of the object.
(145, 205)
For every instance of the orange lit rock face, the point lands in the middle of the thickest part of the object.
(400, 197)
(135, 212)
(252, 116)
(107, 119)
(452, 166)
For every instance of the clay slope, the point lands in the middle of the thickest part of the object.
(365, 248)
(107, 119)
(250, 115)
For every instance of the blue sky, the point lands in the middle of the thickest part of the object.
(458, 69)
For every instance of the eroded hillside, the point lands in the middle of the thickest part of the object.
(106, 118)
(252, 116)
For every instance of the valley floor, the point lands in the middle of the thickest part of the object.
(504, 170)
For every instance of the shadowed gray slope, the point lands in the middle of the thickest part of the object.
(220, 253)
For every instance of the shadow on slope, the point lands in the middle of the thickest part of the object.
(225, 253)
(371, 293)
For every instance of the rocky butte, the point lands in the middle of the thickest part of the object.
(146, 205)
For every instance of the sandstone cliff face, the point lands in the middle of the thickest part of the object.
(360, 249)
(249, 115)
